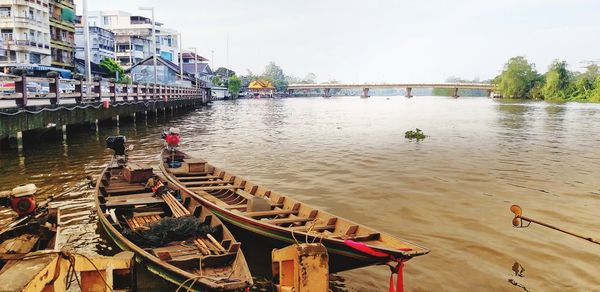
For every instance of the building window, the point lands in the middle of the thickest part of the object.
(4, 11)
(106, 20)
(35, 58)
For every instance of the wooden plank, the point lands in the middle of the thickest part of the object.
(188, 174)
(132, 202)
(317, 228)
(216, 188)
(215, 242)
(201, 183)
(288, 220)
(352, 230)
(244, 206)
(365, 237)
(199, 178)
(127, 197)
(270, 213)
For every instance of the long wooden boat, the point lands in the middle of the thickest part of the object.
(211, 261)
(271, 220)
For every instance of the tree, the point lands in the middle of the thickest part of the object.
(558, 82)
(595, 93)
(112, 67)
(224, 73)
(234, 85)
(275, 74)
(517, 79)
(584, 83)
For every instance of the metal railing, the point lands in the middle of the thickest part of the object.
(22, 89)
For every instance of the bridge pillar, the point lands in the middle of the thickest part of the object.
(365, 93)
(490, 92)
(455, 94)
(326, 92)
(408, 92)
(290, 92)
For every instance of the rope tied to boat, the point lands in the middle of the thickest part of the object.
(398, 269)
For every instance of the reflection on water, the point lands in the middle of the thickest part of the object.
(450, 192)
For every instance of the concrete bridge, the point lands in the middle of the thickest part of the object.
(326, 88)
(29, 103)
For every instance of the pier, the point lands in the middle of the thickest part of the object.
(67, 102)
(408, 87)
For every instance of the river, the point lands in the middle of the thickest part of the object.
(450, 192)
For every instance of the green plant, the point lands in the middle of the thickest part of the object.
(416, 134)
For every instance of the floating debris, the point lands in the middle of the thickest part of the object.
(416, 134)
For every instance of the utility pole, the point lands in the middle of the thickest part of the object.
(180, 57)
(86, 45)
(227, 71)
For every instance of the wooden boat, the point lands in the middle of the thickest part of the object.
(37, 233)
(212, 261)
(271, 220)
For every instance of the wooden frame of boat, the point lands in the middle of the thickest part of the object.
(213, 262)
(285, 220)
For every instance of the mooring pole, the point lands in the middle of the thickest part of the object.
(20, 141)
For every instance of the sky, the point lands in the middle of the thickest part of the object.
(377, 40)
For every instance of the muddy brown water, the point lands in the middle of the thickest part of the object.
(450, 192)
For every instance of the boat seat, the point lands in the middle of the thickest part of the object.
(205, 183)
(198, 178)
(216, 188)
(245, 206)
(120, 202)
(188, 174)
(317, 228)
(260, 214)
(289, 220)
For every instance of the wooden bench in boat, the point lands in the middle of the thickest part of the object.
(289, 220)
(198, 178)
(216, 188)
(121, 202)
(260, 214)
(139, 221)
(244, 206)
(204, 183)
(316, 228)
(188, 174)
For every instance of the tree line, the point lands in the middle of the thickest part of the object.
(520, 79)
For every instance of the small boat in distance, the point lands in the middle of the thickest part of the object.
(172, 234)
(272, 220)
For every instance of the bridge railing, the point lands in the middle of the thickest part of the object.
(24, 91)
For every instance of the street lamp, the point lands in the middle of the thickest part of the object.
(86, 44)
(195, 65)
(153, 42)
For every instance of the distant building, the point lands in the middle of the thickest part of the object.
(167, 73)
(102, 44)
(133, 36)
(261, 88)
(204, 73)
(62, 33)
(24, 33)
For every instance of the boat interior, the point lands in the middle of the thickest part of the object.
(135, 207)
(242, 197)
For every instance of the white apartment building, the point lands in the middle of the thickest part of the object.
(102, 44)
(133, 34)
(24, 33)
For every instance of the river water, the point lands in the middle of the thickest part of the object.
(450, 192)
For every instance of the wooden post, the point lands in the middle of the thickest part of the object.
(98, 89)
(126, 96)
(112, 88)
(54, 87)
(79, 89)
(135, 91)
(326, 92)
(21, 87)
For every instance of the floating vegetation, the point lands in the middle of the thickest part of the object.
(416, 134)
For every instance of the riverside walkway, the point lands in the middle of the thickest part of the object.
(62, 102)
(325, 88)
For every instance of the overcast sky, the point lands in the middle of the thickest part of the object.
(381, 41)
